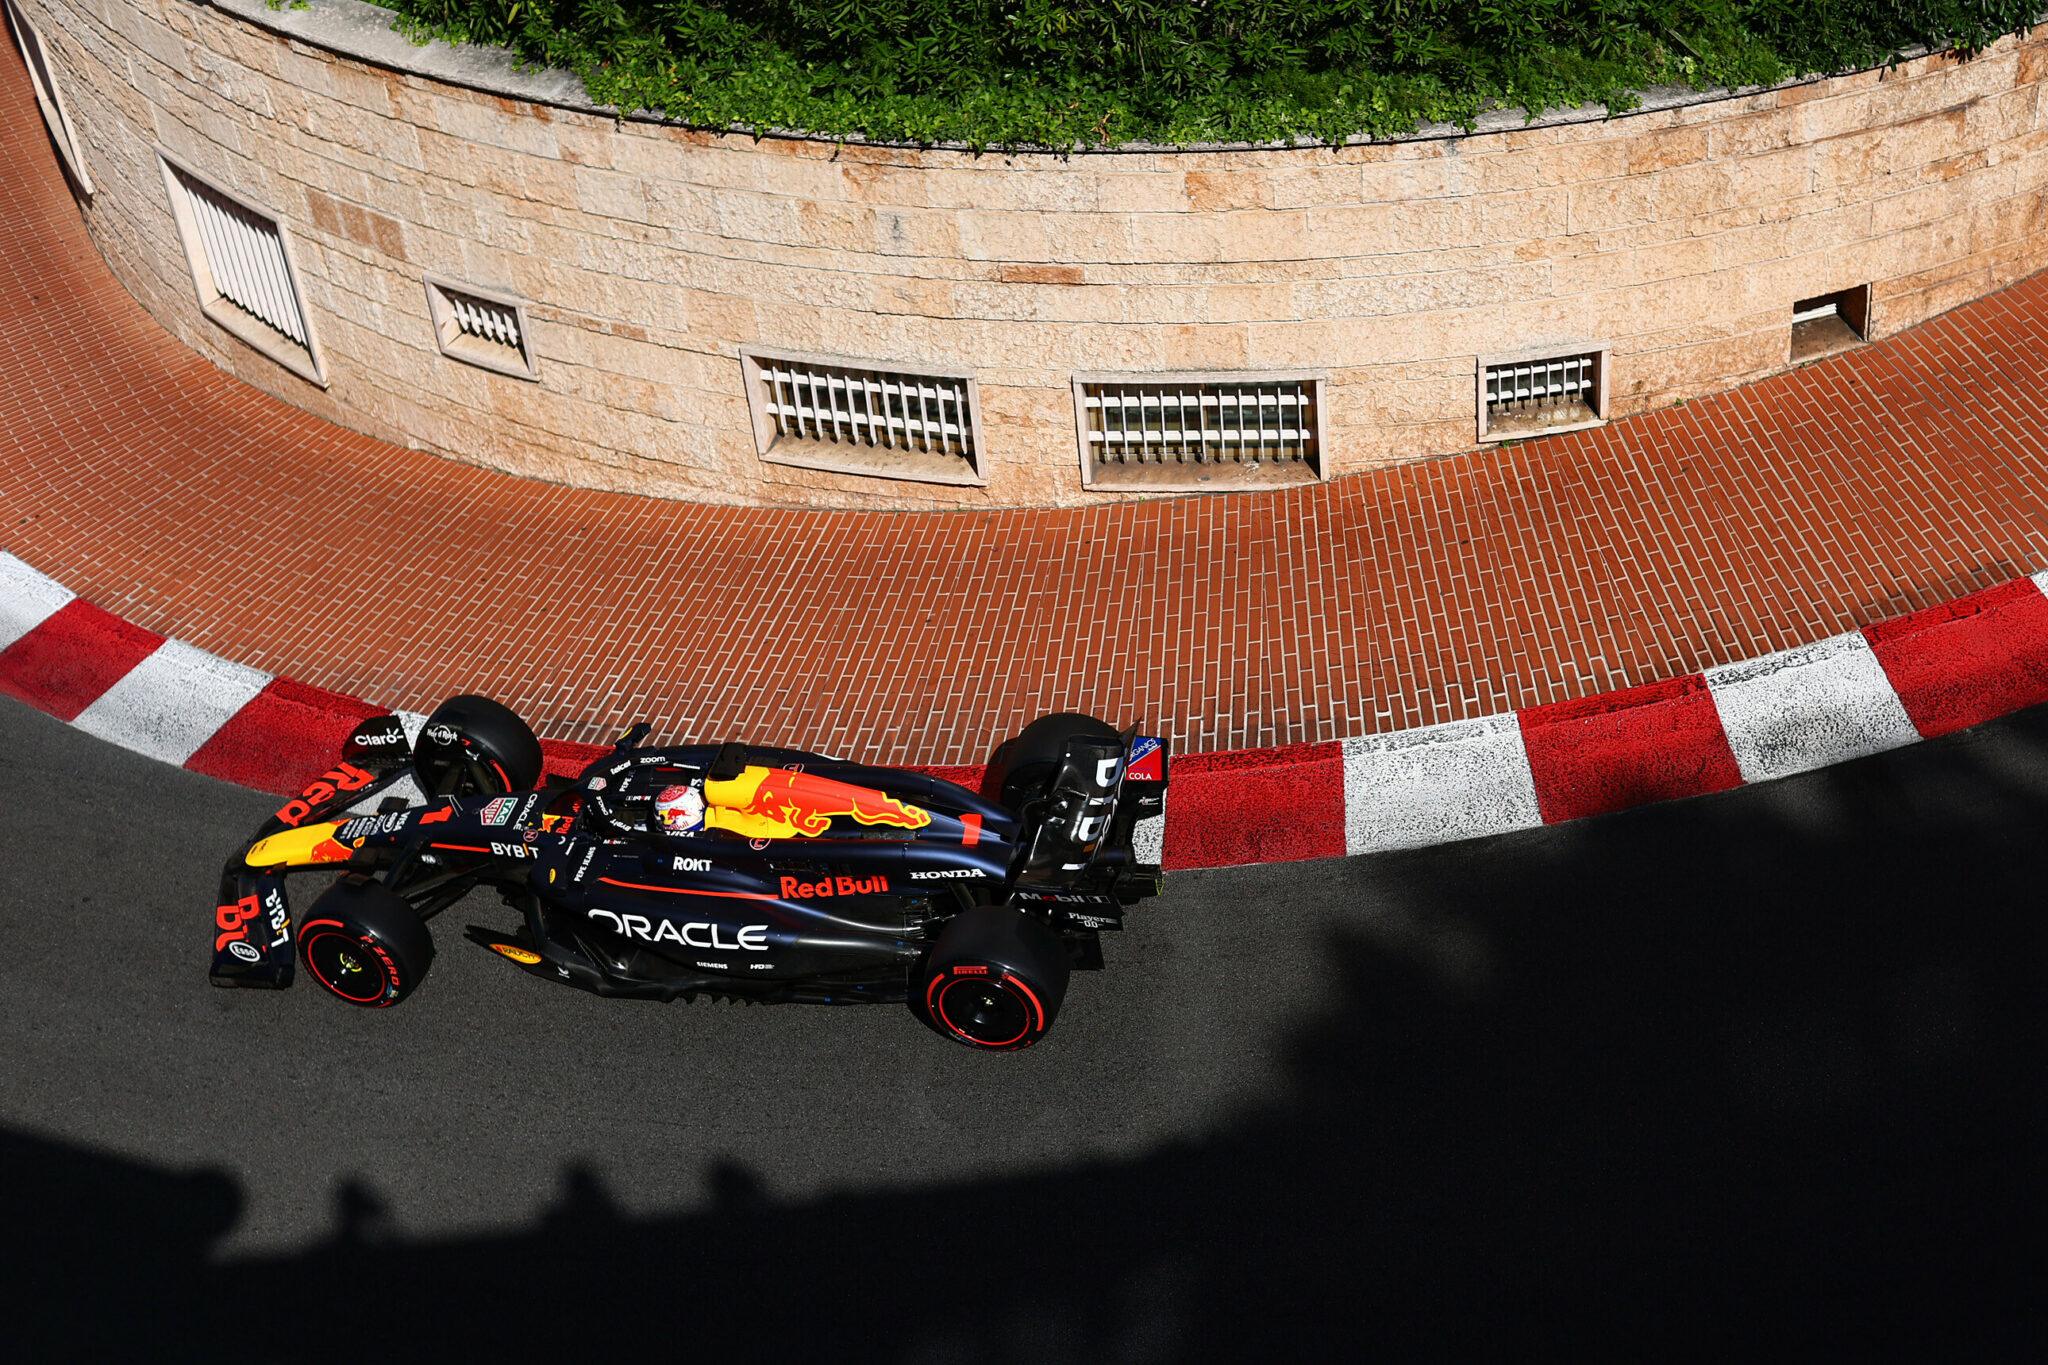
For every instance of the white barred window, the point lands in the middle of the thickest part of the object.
(1531, 393)
(1187, 431)
(242, 268)
(857, 417)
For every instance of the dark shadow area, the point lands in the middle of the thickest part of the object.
(1754, 1071)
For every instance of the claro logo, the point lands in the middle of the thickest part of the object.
(753, 937)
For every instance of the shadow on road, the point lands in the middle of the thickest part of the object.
(1726, 1073)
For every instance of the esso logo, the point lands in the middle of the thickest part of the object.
(245, 951)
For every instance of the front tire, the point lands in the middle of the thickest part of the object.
(364, 944)
(995, 980)
(473, 746)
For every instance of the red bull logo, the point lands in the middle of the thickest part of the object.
(784, 802)
(345, 777)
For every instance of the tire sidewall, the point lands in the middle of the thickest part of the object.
(318, 937)
(379, 926)
(1004, 949)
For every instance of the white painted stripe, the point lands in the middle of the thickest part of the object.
(413, 722)
(1805, 708)
(27, 599)
(1443, 782)
(172, 702)
(2041, 581)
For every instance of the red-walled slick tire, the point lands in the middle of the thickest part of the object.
(995, 980)
(364, 944)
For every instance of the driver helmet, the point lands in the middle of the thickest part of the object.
(681, 809)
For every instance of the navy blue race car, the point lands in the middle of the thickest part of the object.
(723, 870)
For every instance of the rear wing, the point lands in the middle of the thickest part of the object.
(1103, 823)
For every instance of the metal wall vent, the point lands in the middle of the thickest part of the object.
(242, 268)
(481, 327)
(48, 99)
(1183, 431)
(825, 412)
(1531, 394)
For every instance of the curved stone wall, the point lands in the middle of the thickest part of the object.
(648, 256)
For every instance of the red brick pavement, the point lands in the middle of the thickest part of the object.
(1899, 475)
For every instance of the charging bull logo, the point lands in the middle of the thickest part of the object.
(778, 803)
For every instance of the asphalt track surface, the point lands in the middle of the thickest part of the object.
(1761, 1069)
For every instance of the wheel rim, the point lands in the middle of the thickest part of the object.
(994, 1012)
(355, 968)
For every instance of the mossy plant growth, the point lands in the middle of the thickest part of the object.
(1066, 74)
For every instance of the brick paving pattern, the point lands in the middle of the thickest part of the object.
(1839, 494)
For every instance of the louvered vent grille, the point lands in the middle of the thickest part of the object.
(490, 321)
(245, 255)
(243, 271)
(481, 328)
(48, 99)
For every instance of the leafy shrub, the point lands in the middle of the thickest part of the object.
(1072, 73)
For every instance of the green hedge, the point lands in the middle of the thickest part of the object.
(1072, 73)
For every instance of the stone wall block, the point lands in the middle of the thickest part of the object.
(1666, 150)
(1580, 160)
(1610, 203)
(1932, 138)
(1775, 177)
(1004, 236)
(1130, 191)
(150, 36)
(1767, 130)
(1518, 216)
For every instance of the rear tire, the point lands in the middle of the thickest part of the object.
(473, 746)
(995, 980)
(364, 944)
(1022, 769)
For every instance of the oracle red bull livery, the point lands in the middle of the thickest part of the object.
(734, 871)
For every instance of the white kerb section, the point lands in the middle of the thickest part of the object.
(172, 702)
(1148, 838)
(1461, 780)
(27, 599)
(1801, 709)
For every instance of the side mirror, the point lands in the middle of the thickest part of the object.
(378, 743)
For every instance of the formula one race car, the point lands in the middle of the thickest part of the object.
(721, 870)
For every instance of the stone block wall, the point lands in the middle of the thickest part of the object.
(649, 254)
